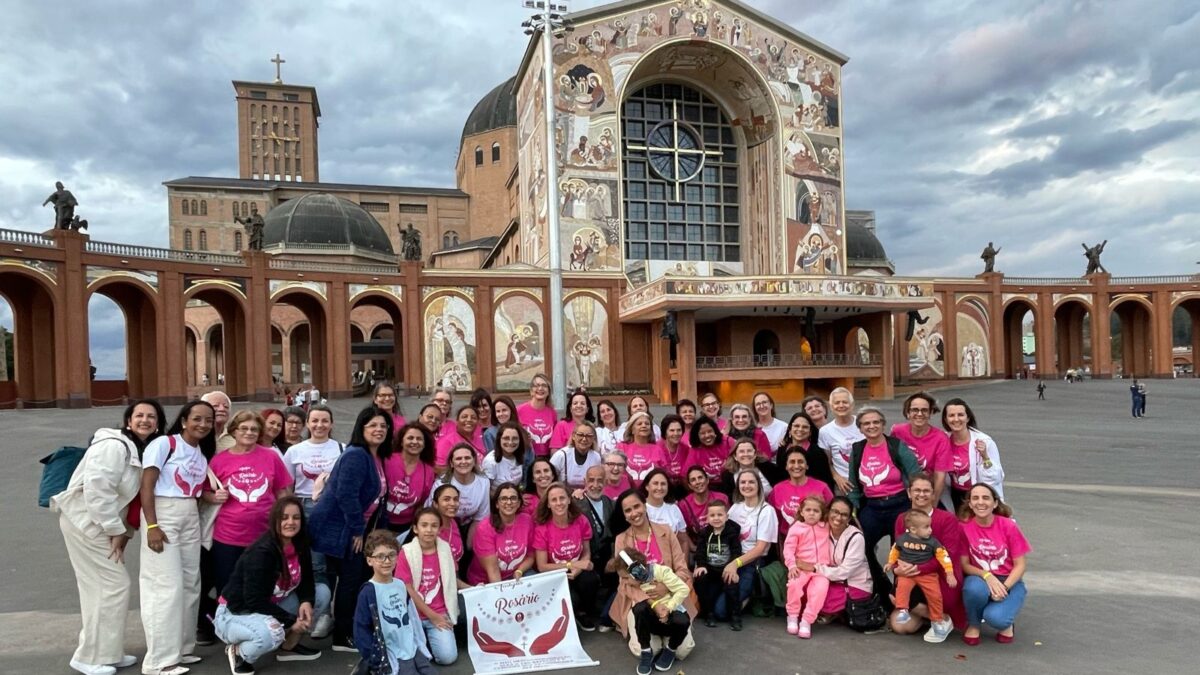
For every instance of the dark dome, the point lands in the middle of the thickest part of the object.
(496, 110)
(321, 220)
(862, 246)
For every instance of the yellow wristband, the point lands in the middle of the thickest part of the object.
(151, 526)
(986, 575)
(738, 561)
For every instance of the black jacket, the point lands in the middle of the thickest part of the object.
(252, 584)
(602, 536)
(731, 536)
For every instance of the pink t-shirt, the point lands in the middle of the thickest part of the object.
(675, 463)
(932, 450)
(877, 475)
(398, 422)
(562, 544)
(285, 585)
(786, 498)
(539, 424)
(406, 491)
(448, 428)
(696, 514)
(383, 488)
(511, 547)
(712, 459)
(959, 472)
(430, 586)
(452, 536)
(615, 491)
(446, 443)
(643, 458)
(252, 480)
(995, 547)
(561, 437)
(649, 548)
(529, 503)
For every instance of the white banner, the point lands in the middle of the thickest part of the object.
(523, 626)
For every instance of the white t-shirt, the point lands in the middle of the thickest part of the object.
(837, 440)
(758, 524)
(667, 514)
(606, 440)
(307, 460)
(183, 474)
(505, 471)
(774, 432)
(570, 471)
(473, 501)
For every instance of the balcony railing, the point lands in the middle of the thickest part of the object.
(1172, 279)
(309, 266)
(738, 361)
(154, 253)
(1046, 281)
(23, 237)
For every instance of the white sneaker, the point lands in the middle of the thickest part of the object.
(323, 627)
(126, 661)
(89, 669)
(189, 659)
(939, 630)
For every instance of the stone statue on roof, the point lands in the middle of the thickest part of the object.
(410, 247)
(989, 258)
(64, 206)
(1092, 253)
(254, 226)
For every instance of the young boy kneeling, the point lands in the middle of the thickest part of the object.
(387, 629)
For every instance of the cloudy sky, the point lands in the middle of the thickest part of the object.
(1038, 125)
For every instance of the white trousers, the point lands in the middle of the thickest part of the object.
(170, 583)
(103, 596)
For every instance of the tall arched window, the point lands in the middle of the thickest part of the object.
(237, 241)
(478, 156)
(186, 210)
(204, 207)
(766, 347)
(236, 214)
(203, 240)
(681, 177)
(450, 239)
(187, 240)
(495, 152)
(195, 207)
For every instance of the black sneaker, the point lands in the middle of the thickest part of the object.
(710, 621)
(237, 665)
(344, 645)
(735, 623)
(298, 653)
(666, 659)
(586, 623)
(646, 664)
(205, 637)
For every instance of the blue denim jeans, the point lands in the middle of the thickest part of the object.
(258, 634)
(318, 559)
(746, 575)
(980, 607)
(441, 643)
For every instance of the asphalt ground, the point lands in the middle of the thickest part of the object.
(1106, 501)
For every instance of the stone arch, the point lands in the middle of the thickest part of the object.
(1014, 317)
(766, 347)
(1133, 324)
(191, 344)
(1072, 334)
(313, 306)
(390, 365)
(141, 305)
(34, 380)
(228, 300)
(1186, 309)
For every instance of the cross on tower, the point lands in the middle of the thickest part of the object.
(278, 62)
(676, 151)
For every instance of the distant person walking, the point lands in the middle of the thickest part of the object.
(1137, 402)
(1041, 390)
(1141, 399)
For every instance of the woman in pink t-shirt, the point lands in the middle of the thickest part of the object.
(538, 479)
(787, 495)
(709, 447)
(695, 504)
(802, 433)
(741, 425)
(410, 476)
(384, 397)
(446, 500)
(616, 478)
(710, 407)
(466, 430)
(974, 457)
(503, 542)
(562, 541)
(994, 565)
(930, 444)
(579, 409)
(640, 448)
(537, 416)
(674, 453)
(249, 478)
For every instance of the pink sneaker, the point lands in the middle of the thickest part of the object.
(793, 625)
(804, 630)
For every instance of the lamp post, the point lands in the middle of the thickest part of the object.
(549, 20)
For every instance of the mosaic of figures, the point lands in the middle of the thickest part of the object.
(450, 343)
(587, 208)
(972, 326)
(845, 287)
(814, 231)
(531, 154)
(927, 348)
(519, 337)
(586, 332)
(776, 88)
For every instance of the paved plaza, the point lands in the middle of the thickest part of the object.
(1106, 501)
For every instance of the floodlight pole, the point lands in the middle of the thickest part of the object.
(548, 22)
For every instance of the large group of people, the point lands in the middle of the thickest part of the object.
(260, 530)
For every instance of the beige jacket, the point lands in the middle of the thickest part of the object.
(412, 554)
(106, 480)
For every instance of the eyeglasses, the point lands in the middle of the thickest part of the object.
(247, 430)
(540, 385)
(579, 435)
(712, 404)
(384, 557)
(614, 465)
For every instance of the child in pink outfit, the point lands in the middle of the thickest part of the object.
(807, 541)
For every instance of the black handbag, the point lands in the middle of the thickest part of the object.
(864, 615)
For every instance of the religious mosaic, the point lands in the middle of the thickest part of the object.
(519, 338)
(450, 342)
(927, 348)
(586, 333)
(972, 331)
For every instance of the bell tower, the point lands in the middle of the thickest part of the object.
(277, 129)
